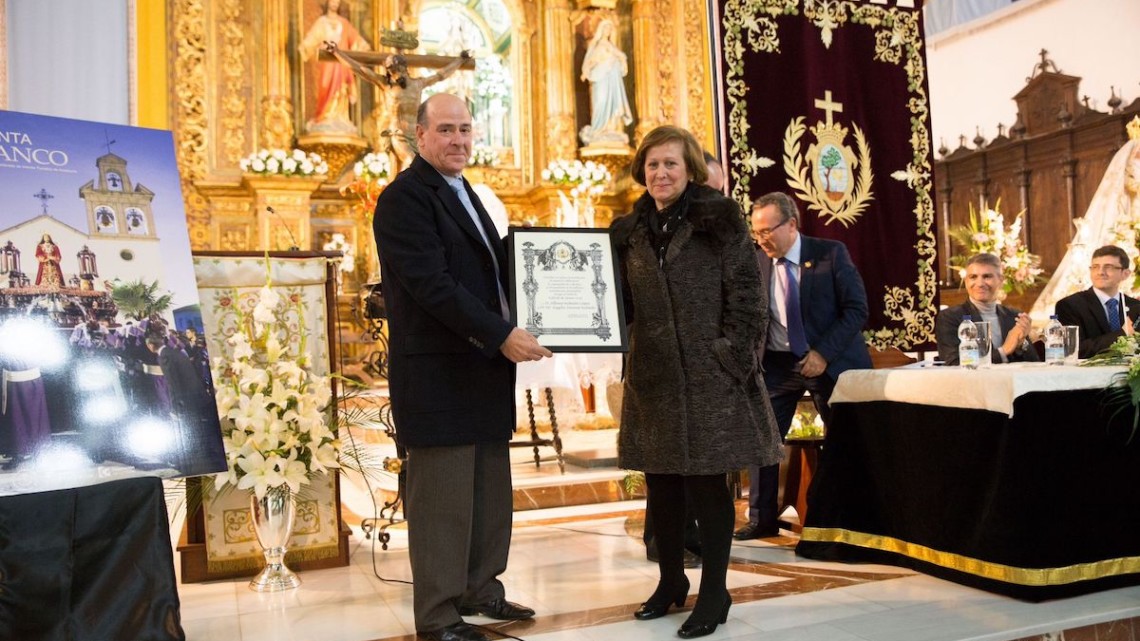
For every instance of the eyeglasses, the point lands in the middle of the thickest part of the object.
(1106, 268)
(765, 234)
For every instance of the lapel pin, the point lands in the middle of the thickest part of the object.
(807, 264)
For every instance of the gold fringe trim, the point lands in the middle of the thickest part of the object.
(977, 567)
(240, 563)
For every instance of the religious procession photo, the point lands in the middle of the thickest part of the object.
(105, 368)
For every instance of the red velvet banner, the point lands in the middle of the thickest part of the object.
(826, 100)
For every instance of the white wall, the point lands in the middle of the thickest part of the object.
(975, 69)
(68, 58)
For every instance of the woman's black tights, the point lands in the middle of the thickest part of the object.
(711, 503)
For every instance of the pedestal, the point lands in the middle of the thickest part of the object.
(281, 210)
(338, 150)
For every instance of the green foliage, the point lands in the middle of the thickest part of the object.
(139, 300)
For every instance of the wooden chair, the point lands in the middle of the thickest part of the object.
(535, 440)
(890, 357)
(803, 454)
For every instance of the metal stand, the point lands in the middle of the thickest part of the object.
(388, 512)
(387, 517)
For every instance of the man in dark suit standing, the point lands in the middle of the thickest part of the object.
(452, 375)
(817, 310)
(1009, 327)
(1097, 310)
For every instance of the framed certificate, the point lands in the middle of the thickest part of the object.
(565, 289)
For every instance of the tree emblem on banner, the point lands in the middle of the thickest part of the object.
(826, 179)
(867, 59)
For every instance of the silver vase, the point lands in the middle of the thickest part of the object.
(272, 518)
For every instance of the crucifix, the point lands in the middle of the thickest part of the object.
(108, 140)
(828, 106)
(43, 196)
(401, 92)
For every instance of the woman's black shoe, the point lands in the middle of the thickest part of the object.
(658, 605)
(691, 629)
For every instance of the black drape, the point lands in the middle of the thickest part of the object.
(88, 564)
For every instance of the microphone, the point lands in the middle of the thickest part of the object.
(293, 247)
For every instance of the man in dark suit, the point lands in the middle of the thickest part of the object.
(1097, 310)
(1009, 328)
(817, 310)
(452, 374)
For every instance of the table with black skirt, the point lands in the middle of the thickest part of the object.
(88, 564)
(1011, 479)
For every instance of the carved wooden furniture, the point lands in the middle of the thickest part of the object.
(1049, 164)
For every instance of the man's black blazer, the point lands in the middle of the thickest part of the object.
(449, 383)
(1084, 310)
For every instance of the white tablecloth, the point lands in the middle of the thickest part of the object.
(994, 388)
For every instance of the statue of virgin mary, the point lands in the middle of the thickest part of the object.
(1113, 218)
(605, 67)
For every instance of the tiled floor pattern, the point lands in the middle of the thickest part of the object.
(586, 574)
(583, 568)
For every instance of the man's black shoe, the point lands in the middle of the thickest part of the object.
(455, 632)
(500, 609)
(753, 530)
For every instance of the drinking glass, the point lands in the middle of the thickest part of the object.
(1072, 343)
(985, 358)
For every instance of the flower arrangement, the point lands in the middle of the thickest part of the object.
(371, 175)
(1123, 392)
(278, 162)
(483, 156)
(587, 179)
(373, 167)
(806, 425)
(493, 79)
(987, 233)
(274, 409)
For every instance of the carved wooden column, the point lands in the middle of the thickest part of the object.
(1023, 194)
(647, 88)
(561, 137)
(276, 101)
(1069, 171)
(385, 13)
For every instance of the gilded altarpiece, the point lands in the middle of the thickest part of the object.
(240, 85)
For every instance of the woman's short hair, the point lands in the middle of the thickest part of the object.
(691, 153)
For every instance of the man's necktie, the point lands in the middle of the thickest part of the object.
(465, 199)
(797, 341)
(1113, 307)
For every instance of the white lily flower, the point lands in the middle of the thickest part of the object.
(293, 472)
(260, 474)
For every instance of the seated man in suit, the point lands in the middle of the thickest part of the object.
(1097, 310)
(1009, 328)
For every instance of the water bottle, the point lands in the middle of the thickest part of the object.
(967, 343)
(1054, 342)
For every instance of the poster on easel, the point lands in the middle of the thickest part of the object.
(104, 369)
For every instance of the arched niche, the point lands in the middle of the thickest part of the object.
(500, 34)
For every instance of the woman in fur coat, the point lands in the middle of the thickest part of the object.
(694, 404)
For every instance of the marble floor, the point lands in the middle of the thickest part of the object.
(584, 571)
